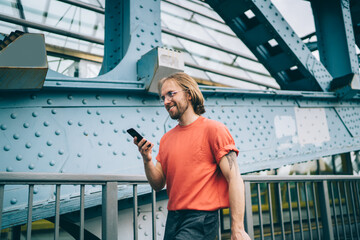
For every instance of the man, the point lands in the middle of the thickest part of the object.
(197, 162)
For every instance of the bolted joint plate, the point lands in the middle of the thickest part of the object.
(157, 64)
(23, 63)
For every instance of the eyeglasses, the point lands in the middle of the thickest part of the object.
(169, 95)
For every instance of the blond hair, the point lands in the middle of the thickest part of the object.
(190, 85)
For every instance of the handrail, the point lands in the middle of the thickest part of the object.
(334, 197)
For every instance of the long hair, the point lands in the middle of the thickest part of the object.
(190, 85)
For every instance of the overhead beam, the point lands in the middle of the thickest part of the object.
(275, 44)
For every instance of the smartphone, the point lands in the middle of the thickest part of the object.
(134, 133)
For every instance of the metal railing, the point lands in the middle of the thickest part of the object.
(109, 185)
(302, 207)
(289, 207)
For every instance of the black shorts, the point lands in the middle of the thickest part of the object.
(192, 224)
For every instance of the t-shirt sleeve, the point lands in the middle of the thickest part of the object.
(221, 142)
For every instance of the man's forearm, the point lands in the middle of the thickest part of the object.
(237, 203)
(154, 176)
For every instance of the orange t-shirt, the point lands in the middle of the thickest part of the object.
(189, 156)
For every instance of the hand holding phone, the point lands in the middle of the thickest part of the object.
(144, 150)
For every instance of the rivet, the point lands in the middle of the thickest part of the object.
(157, 216)
(114, 102)
(58, 132)
(100, 143)
(109, 144)
(16, 136)
(70, 122)
(79, 155)
(161, 208)
(140, 226)
(41, 154)
(111, 122)
(37, 134)
(9, 169)
(123, 153)
(144, 217)
(143, 119)
(13, 115)
(141, 6)
(31, 166)
(49, 143)
(28, 145)
(84, 101)
(102, 121)
(49, 101)
(114, 153)
(46, 123)
(80, 124)
(53, 111)
(26, 125)
(19, 157)
(3, 127)
(35, 114)
(61, 152)
(52, 163)
(153, 119)
(98, 97)
(95, 134)
(36, 190)
(98, 113)
(70, 97)
(116, 130)
(86, 133)
(122, 116)
(98, 166)
(13, 201)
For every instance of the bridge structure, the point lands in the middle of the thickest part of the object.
(307, 108)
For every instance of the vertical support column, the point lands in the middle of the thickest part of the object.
(334, 28)
(109, 211)
(328, 232)
(117, 33)
(249, 225)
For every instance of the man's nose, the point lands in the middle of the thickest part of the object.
(167, 101)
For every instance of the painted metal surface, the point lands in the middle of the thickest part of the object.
(334, 28)
(23, 63)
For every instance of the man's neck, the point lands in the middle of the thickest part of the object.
(188, 118)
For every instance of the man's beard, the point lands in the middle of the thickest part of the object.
(181, 108)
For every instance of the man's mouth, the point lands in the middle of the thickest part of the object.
(169, 109)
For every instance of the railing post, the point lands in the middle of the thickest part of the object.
(153, 210)
(249, 225)
(109, 211)
(328, 232)
(135, 212)
(1, 203)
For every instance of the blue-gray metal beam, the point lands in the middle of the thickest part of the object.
(271, 39)
(336, 44)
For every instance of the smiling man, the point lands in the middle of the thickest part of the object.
(197, 162)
